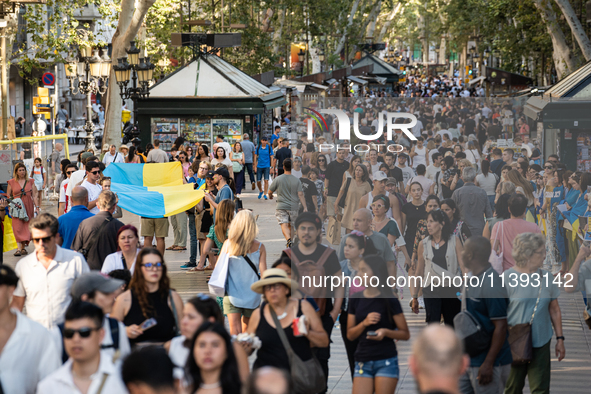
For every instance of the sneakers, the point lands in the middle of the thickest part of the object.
(288, 244)
(265, 197)
(253, 185)
(188, 266)
(261, 195)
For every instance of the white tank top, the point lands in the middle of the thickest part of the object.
(420, 157)
(370, 201)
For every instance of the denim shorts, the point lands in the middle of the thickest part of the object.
(387, 368)
(263, 171)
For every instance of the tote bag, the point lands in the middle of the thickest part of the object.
(496, 260)
(217, 283)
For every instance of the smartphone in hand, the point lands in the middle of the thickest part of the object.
(151, 322)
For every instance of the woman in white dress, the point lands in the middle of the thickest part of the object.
(125, 256)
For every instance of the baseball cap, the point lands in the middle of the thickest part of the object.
(210, 174)
(85, 155)
(92, 281)
(223, 171)
(380, 176)
(308, 217)
(264, 138)
(391, 181)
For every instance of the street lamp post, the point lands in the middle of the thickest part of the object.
(321, 58)
(92, 73)
(301, 57)
(140, 70)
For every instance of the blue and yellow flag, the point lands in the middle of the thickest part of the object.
(152, 190)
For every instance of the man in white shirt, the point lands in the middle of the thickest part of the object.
(27, 354)
(47, 275)
(418, 128)
(93, 174)
(407, 172)
(112, 156)
(88, 370)
(78, 177)
(222, 144)
(435, 165)
(64, 200)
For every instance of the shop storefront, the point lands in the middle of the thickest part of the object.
(206, 98)
(564, 119)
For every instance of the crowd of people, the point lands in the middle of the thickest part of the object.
(92, 309)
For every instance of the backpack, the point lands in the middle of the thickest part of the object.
(312, 269)
(401, 199)
(113, 325)
(270, 152)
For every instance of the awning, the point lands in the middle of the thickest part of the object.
(330, 81)
(476, 80)
(372, 78)
(318, 86)
(357, 80)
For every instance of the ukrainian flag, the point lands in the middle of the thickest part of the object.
(152, 190)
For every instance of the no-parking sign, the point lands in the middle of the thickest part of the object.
(48, 79)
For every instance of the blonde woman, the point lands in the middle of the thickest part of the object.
(247, 260)
(20, 186)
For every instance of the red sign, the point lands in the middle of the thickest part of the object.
(93, 98)
(48, 79)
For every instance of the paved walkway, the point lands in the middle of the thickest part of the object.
(572, 375)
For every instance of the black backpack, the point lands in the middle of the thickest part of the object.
(113, 325)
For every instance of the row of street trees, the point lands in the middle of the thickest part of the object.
(546, 39)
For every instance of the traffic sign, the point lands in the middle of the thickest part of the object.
(39, 126)
(48, 79)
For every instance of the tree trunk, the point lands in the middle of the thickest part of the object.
(395, 10)
(442, 49)
(278, 32)
(562, 56)
(130, 21)
(576, 27)
(343, 39)
(267, 20)
(314, 51)
(372, 19)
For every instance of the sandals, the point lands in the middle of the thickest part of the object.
(195, 269)
(173, 247)
(179, 248)
(24, 252)
(17, 253)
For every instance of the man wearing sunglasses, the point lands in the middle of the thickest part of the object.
(88, 370)
(27, 353)
(93, 173)
(64, 200)
(46, 276)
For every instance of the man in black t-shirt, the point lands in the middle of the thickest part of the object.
(394, 172)
(334, 180)
(310, 191)
(309, 234)
(282, 153)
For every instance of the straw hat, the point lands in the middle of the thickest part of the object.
(123, 147)
(272, 276)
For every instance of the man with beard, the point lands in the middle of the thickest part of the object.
(309, 252)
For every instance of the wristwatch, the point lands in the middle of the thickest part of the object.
(560, 337)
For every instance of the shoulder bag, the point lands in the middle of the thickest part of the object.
(469, 329)
(177, 326)
(306, 376)
(520, 339)
(496, 260)
(344, 197)
(93, 239)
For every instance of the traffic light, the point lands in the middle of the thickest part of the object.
(403, 69)
(468, 70)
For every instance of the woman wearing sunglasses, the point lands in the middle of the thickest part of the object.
(20, 186)
(64, 200)
(149, 297)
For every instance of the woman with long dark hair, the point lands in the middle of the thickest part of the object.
(439, 254)
(501, 213)
(460, 229)
(238, 166)
(132, 156)
(220, 157)
(212, 366)
(149, 296)
(412, 212)
(375, 318)
(357, 245)
(197, 311)
(203, 153)
(322, 167)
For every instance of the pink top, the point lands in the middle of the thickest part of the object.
(506, 231)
